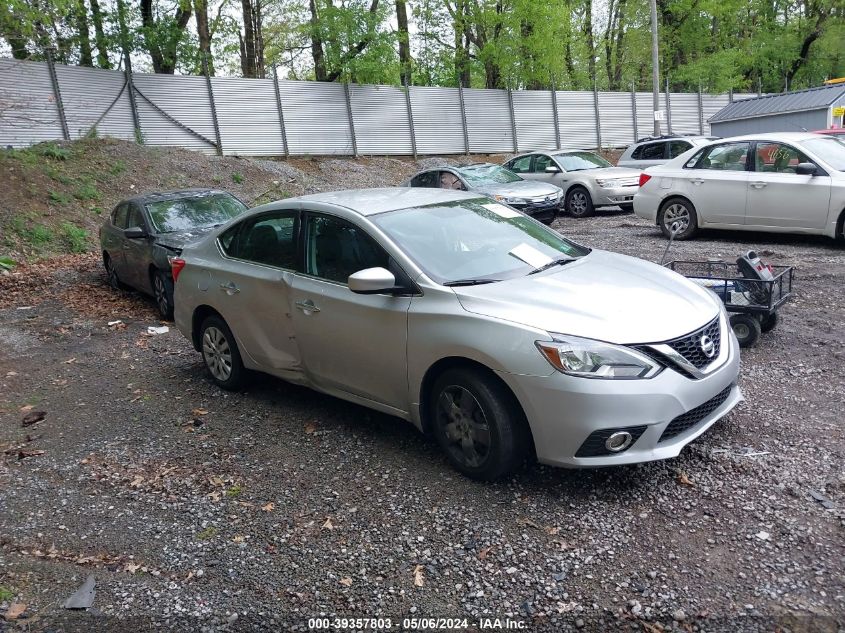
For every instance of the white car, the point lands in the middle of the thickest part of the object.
(781, 182)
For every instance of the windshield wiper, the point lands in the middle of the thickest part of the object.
(555, 262)
(470, 282)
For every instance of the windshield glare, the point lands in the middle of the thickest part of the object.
(487, 175)
(474, 239)
(830, 150)
(579, 161)
(193, 212)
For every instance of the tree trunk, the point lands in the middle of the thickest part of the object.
(462, 70)
(164, 57)
(404, 43)
(100, 36)
(203, 34)
(248, 41)
(83, 34)
(258, 31)
(317, 44)
(591, 45)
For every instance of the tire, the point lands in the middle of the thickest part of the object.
(627, 208)
(769, 322)
(578, 203)
(678, 210)
(220, 353)
(468, 406)
(163, 294)
(747, 329)
(111, 274)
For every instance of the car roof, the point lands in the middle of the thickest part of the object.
(674, 137)
(793, 137)
(158, 196)
(373, 201)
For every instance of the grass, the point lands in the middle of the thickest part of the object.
(238, 178)
(6, 594)
(87, 191)
(74, 237)
(7, 263)
(34, 234)
(60, 198)
(51, 150)
(117, 168)
(207, 534)
(54, 174)
(234, 491)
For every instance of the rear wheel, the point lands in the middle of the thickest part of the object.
(220, 353)
(769, 322)
(578, 203)
(478, 424)
(163, 293)
(677, 213)
(111, 274)
(747, 329)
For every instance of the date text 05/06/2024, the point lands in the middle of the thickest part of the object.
(415, 624)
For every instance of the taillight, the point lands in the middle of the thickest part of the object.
(644, 178)
(176, 266)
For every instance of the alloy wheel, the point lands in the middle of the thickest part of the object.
(161, 295)
(217, 353)
(465, 425)
(676, 213)
(578, 203)
(111, 274)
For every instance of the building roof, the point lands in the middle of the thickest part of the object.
(767, 105)
(372, 201)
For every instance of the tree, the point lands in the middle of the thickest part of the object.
(162, 35)
(404, 43)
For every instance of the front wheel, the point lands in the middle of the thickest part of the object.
(578, 203)
(679, 215)
(220, 353)
(163, 293)
(478, 424)
(747, 329)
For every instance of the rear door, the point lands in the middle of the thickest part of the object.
(779, 197)
(716, 181)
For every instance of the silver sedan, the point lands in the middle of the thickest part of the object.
(466, 318)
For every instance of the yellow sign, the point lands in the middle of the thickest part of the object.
(840, 111)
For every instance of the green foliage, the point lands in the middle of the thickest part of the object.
(34, 234)
(55, 174)
(234, 491)
(238, 178)
(60, 198)
(6, 594)
(117, 167)
(74, 237)
(207, 534)
(51, 150)
(87, 191)
(6, 263)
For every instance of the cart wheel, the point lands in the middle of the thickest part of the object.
(746, 328)
(769, 322)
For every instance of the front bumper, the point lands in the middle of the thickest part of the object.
(563, 411)
(539, 210)
(614, 196)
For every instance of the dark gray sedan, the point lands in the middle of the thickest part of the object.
(142, 233)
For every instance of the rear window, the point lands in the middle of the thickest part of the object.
(649, 151)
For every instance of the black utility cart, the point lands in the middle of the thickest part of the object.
(751, 291)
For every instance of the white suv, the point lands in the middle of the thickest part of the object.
(651, 151)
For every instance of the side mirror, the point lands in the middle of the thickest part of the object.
(372, 281)
(552, 169)
(806, 169)
(134, 233)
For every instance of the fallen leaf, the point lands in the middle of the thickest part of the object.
(199, 412)
(551, 531)
(529, 522)
(346, 582)
(27, 407)
(15, 610)
(131, 567)
(483, 553)
(419, 576)
(311, 427)
(269, 507)
(215, 481)
(328, 525)
(33, 417)
(69, 361)
(24, 454)
(238, 539)
(684, 480)
(139, 479)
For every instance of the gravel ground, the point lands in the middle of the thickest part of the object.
(201, 510)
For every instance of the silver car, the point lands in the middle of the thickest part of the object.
(472, 321)
(659, 150)
(539, 200)
(588, 181)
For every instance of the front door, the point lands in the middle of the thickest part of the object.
(351, 342)
(779, 197)
(717, 183)
(136, 252)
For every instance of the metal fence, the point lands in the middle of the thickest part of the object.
(42, 101)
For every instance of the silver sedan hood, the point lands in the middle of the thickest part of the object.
(604, 296)
(523, 188)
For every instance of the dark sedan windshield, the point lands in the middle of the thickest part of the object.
(182, 214)
(579, 161)
(487, 175)
(474, 240)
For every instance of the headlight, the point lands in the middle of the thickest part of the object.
(507, 200)
(607, 184)
(593, 359)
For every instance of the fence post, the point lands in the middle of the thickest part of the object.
(598, 115)
(513, 122)
(54, 79)
(133, 104)
(554, 114)
(463, 118)
(634, 110)
(410, 119)
(351, 120)
(700, 111)
(213, 105)
(731, 95)
(280, 111)
(668, 107)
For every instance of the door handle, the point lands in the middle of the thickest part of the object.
(758, 184)
(697, 181)
(307, 306)
(230, 288)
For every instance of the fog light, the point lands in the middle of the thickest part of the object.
(618, 442)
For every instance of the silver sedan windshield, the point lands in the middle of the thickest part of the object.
(830, 150)
(474, 241)
(487, 175)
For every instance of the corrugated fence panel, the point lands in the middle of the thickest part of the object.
(86, 93)
(712, 104)
(617, 126)
(535, 119)
(645, 116)
(28, 111)
(183, 98)
(684, 113)
(576, 116)
(316, 119)
(381, 120)
(248, 116)
(437, 120)
(488, 120)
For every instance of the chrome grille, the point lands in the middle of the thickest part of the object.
(691, 348)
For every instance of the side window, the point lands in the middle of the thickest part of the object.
(676, 148)
(134, 218)
(693, 161)
(727, 157)
(427, 179)
(521, 165)
(777, 158)
(448, 180)
(336, 248)
(652, 151)
(541, 162)
(269, 239)
(118, 217)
